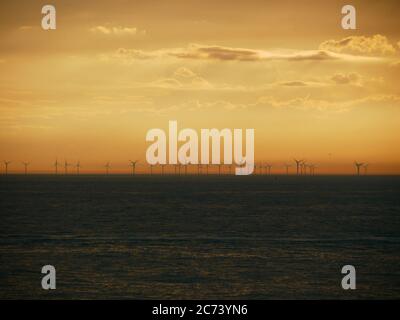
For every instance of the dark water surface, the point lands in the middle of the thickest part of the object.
(199, 237)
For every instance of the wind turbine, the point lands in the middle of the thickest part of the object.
(358, 166)
(298, 164)
(66, 164)
(303, 168)
(25, 167)
(311, 166)
(6, 163)
(133, 165)
(268, 166)
(260, 167)
(78, 166)
(366, 168)
(287, 168)
(107, 166)
(56, 165)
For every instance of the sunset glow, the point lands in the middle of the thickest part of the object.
(92, 88)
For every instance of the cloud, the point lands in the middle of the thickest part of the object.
(376, 45)
(308, 103)
(205, 52)
(128, 55)
(184, 73)
(116, 30)
(183, 78)
(218, 105)
(219, 53)
(294, 84)
(349, 78)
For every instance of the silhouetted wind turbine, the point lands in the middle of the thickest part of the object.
(287, 168)
(259, 166)
(25, 167)
(298, 164)
(268, 166)
(66, 164)
(6, 163)
(78, 166)
(358, 166)
(133, 165)
(56, 165)
(311, 166)
(107, 166)
(303, 168)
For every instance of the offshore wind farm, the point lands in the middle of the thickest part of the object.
(260, 168)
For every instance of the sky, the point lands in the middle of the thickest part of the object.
(112, 70)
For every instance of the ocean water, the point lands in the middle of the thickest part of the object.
(197, 237)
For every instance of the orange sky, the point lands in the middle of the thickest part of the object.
(112, 70)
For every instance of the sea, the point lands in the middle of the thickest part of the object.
(199, 237)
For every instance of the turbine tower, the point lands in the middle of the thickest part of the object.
(219, 169)
(287, 166)
(25, 167)
(298, 164)
(6, 163)
(303, 168)
(107, 166)
(358, 166)
(78, 167)
(66, 164)
(133, 165)
(311, 166)
(268, 166)
(56, 165)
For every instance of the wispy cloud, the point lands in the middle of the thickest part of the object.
(116, 30)
(347, 78)
(376, 45)
(219, 53)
